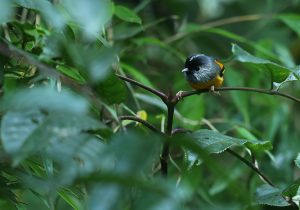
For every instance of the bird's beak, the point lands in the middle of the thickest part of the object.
(184, 70)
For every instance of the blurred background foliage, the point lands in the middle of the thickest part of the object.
(63, 145)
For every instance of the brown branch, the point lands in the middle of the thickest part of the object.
(145, 123)
(252, 166)
(258, 90)
(154, 91)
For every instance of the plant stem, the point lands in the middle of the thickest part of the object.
(154, 91)
(252, 166)
(145, 123)
(166, 148)
(258, 90)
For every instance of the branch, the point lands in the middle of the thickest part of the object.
(154, 91)
(258, 90)
(145, 123)
(252, 166)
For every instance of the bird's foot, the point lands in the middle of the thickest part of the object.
(212, 89)
(179, 95)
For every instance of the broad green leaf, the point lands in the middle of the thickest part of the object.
(292, 21)
(92, 17)
(44, 98)
(269, 195)
(71, 72)
(126, 14)
(136, 74)
(25, 133)
(112, 90)
(215, 142)
(6, 11)
(277, 72)
(297, 161)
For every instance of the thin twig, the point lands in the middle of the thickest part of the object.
(145, 123)
(154, 91)
(258, 90)
(253, 167)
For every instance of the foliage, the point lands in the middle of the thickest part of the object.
(77, 133)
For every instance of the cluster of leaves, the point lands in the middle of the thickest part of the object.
(64, 144)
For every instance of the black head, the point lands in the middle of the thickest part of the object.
(195, 61)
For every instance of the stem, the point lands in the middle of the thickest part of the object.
(252, 166)
(154, 91)
(145, 123)
(166, 148)
(258, 90)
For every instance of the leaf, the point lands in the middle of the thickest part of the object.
(297, 161)
(215, 142)
(278, 73)
(292, 189)
(92, 17)
(136, 74)
(253, 144)
(292, 21)
(25, 133)
(71, 72)
(127, 15)
(269, 195)
(44, 98)
(112, 90)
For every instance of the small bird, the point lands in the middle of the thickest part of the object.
(203, 72)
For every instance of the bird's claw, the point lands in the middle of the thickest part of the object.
(212, 89)
(179, 95)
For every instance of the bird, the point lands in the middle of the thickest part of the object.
(203, 72)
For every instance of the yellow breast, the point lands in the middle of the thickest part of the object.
(217, 82)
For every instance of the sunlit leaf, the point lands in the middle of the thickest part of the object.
(269, 195)
(126, 14)
(71, 72)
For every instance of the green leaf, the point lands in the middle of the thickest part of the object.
(71, 198)
(71, 72)
(44, 98)
(92, 17)
(269, 195)
(278, 73)
(253, 144)
(215, 142)
(136, 74)
(292, 21)
(127, 15)
(292, 189)
(297, 161)
(25, 133)
(112, 90)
